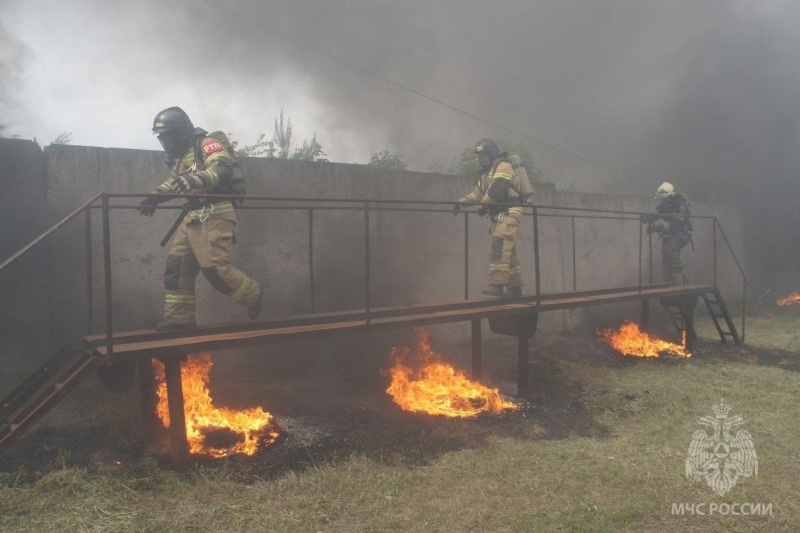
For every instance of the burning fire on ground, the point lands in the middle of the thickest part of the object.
(792, 299)
(252, 428)
(437, 388)
(630, 340)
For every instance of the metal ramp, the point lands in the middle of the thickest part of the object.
(43, 389)
(115, 354)
(149, 343)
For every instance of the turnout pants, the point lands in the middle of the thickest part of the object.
(504, 266)
(203, 246)
(671, 258)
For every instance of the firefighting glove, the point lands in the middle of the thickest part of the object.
(147, 207)
(456, 209)
(655, 228)
(188, 182)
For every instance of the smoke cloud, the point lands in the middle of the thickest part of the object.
(697, 93)
(13, 55)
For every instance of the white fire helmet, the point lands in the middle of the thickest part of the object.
(665, 190)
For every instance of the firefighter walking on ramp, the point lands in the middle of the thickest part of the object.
(675, 231)
(204, 239)
(497, 183)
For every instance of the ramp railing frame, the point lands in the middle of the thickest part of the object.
(103, 203)
(36, 395)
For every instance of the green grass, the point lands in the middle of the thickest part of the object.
(625, 480)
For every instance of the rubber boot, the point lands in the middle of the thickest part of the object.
(514, 292)
(493, 290)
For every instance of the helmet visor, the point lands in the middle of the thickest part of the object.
(484, 160)
(170, 142)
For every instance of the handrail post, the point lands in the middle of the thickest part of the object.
(714, 248)
(650, 258)
(744, 304)
(641, 242)
(466, 256)
(366, 260)
(311, 258)
(89, 288)
(536, 253)
(574, 260)
(107, 275)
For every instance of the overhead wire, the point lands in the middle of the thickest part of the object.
(412, 90)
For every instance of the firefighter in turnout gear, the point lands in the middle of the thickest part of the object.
(203, 242)
(497, 183)
(675, 230)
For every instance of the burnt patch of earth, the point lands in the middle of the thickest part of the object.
(100, 449)
(330, 403)
(221, 438)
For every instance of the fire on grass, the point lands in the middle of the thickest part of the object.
(630, 340)
(422, 382)
(792, 299)
(211, 431)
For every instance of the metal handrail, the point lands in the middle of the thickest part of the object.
(47, 233)
(374, 201)
(730, 249)
(366, 205)
(745, 281)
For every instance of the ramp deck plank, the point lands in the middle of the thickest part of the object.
(148, 343)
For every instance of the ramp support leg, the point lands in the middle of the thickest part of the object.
(477, 350)
(645, 314)
(523, 344)
(688, 321)
(177, 419)
(147, 390)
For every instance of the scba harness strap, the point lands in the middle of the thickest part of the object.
(235, 184)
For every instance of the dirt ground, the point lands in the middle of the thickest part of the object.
(330, 402)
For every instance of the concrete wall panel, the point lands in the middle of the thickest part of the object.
(415, 257)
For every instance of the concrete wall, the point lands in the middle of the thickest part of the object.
(415, 257)
(24, 284)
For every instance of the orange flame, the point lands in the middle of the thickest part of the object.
(630, 340)
(253, 425)
(437, 388)
(792, 299)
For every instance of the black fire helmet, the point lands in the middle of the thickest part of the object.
(173, 128)
(486, 146)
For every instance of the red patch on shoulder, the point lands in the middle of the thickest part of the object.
(212, 147)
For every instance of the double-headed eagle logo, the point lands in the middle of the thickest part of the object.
(721, 458)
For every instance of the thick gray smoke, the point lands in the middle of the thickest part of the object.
(730, 130)
(698, 93)
(13, 55)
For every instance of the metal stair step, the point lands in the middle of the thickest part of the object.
(41, 392)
